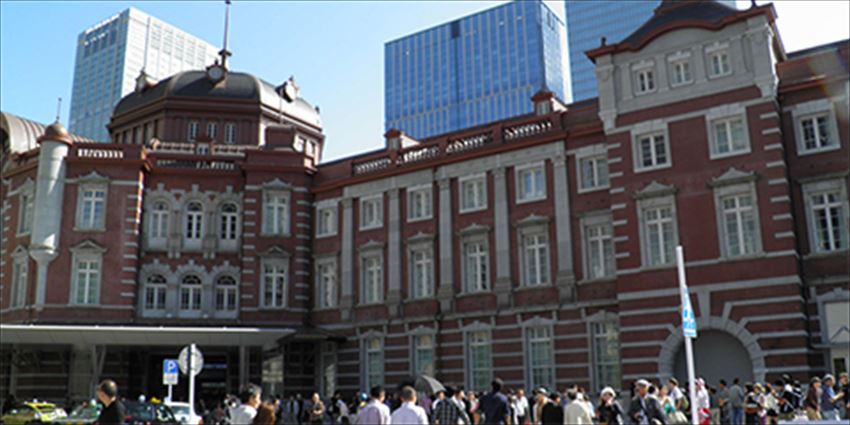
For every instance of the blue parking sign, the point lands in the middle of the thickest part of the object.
(170, 372)
(689, 322)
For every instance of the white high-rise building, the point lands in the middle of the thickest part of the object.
(112, 53)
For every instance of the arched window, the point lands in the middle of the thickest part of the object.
(225, 294)
(190, 293)
(159, 221)
(155, 292)
(194, 220)
(229, 221)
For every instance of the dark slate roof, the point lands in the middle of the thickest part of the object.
(237, 85)
(708, 11)
(23, 133)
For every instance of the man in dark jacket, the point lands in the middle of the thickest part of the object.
(553, 413)
(645, 410)
(113, 412)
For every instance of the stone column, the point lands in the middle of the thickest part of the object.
(565, 278)
(661, 66)
(699, 71)
(394, 248)
(445, 292)
(243, 365)
(346, 302)
(503, 284)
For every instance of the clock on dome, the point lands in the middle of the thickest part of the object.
(216, 73)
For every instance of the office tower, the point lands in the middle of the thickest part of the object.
(589, 21)
(112, 53)
(474, 70)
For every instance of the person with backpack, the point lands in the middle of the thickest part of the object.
(450, 410)
(787, 401)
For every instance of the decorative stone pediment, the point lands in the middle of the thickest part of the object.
(477, 326)
(277, 184)
(20, 251)
(88, 246)
(655, 189)
(420, 238)
(225, 269)
(371, 245)
(474, 228)
(93, 177)
(421, 330)
(537, 321)
(275, 251)
(533, 220)
(733, 176)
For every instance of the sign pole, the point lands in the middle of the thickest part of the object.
(689, 328)
(190, 358)
(169, 393)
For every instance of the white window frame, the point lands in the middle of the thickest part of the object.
(478, 202)
(602, 220)
(277, 210)
(539, 193)
(95, 258)
(421, 255)
(718, 50)
(813, 109)
(230, 224)
(599, 163)
(375, 287)
(92, 222)
(277, 279)
(20, 279)
(192, 130)
(196, 221)
(534, 247)
(373, 345)
(26, 212)
(677, 61)
(156, 289)
(212, 129)
(839, 187)
(482, 281)
(477, 338)
(229, 294)
(159, 221)
(326, 220)
(376, 202)
(713, 120)
(326, 283)
(230, 133)
(594, 324)
(420, 201)
(644, 71)
(637, 152)
(539, 334)
(722, 193)
(422, 341)
(194, 294)
(652, 203)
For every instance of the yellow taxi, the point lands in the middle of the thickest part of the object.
(32, 412)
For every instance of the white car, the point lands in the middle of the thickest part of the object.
(182, 413)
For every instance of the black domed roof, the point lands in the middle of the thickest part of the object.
(236, 85)
(709, 11)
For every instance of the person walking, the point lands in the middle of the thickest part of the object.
(812, 402)
(494, 406)
(316, 414)
(723, 402)
(736, 399)
(250, 397)
(113, 412)
(451, 410)
(552, 412)
(703, 402)
(828, 406)
(844, 382)
(375, 412)
(520, 406)
(409, 413)
(609, 411)
(265, 415)
(770, 402)
(751, 406)
(645, 410)
(668, 406)
(575, 413)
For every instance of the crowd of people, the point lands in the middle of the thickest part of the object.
(649, 403)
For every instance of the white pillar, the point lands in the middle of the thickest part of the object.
(503, 284)
(565, 278)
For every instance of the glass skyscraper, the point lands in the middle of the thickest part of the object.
(474, 70)
(589, 21)
(112, 53)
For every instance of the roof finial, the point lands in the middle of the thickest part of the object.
(603, 41)
(58, 108)
(224, 52)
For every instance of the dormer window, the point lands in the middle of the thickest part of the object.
(193, 131)
(212, 129)
(644, 77)
(681, 72)
(718, 61)
(230, 133)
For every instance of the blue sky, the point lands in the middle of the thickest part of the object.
(334, 49)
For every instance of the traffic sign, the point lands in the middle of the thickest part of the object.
(197, 360)
(689, 323)
(169, 372)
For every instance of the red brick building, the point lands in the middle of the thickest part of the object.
(539, 249)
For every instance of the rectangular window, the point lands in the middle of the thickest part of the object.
(87, 280)
(652, 151)
(371, 212)
(473, 194)
(276, 213)
(816, 132)
(476, 264)
(594, 172)
(229, 222)
(660, 237)
(828, 219)
(274, 284)
(480, 360)
(535, 261)
(600, 250)
(191, 293)
(729, 136)
(423, 355)
(192, 131)
(541, 362)
(20, 270)
(212, 129)
(739, 225)
(230, 133)
(681, 72)
(718, 62)
(92, 205)
(373, 279)
(419, 204)
(374, 362)
(158, 225)
(606, 354)
(194, 221)
(25, 213)
(531, 184)
(421, 273)
(225, 294)
(326, 221)
(155, 297)
(645, 80)
(326, 284)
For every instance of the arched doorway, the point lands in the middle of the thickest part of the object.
(717, 355)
